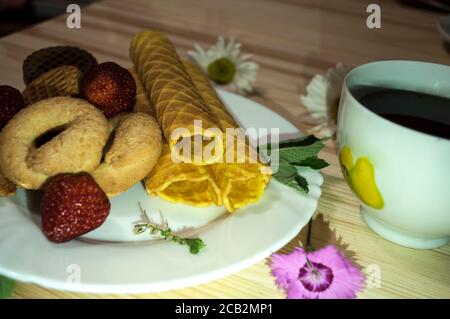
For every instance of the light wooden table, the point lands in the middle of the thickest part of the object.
(292, 41)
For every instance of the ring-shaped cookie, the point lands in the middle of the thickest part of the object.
(135, 147)
(82, 132)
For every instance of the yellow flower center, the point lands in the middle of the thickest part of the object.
(222, 71)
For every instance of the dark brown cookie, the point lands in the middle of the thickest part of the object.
(42, 61)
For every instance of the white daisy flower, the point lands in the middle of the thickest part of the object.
(225, 65)
(322, 99)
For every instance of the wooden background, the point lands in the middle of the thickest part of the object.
(292, 41)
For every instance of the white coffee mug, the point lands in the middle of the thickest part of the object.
(400, 175)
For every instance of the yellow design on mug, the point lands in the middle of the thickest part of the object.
(361, 178)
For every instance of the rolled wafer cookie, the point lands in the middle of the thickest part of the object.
(183, 182)
(191, 131)
(142, 103)
(232, 184)
(241, 178)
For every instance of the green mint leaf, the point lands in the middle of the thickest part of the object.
(298, 182)
(302, 183)
(297, 154)
(288, 175)
(301, 141)
(297, 150)
(286, 172)
(314, 162)
(6, 287)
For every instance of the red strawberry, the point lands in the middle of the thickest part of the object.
(11, 102)
(72, 205)
(109, 87)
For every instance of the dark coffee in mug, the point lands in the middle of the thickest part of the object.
(419, 111)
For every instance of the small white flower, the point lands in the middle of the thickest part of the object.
(225, 65)
(322, 99)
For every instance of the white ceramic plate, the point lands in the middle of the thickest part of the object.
(102, 264)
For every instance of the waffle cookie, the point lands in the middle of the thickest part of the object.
(61, 81)
(42, 61)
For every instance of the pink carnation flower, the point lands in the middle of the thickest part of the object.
(321, 274)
